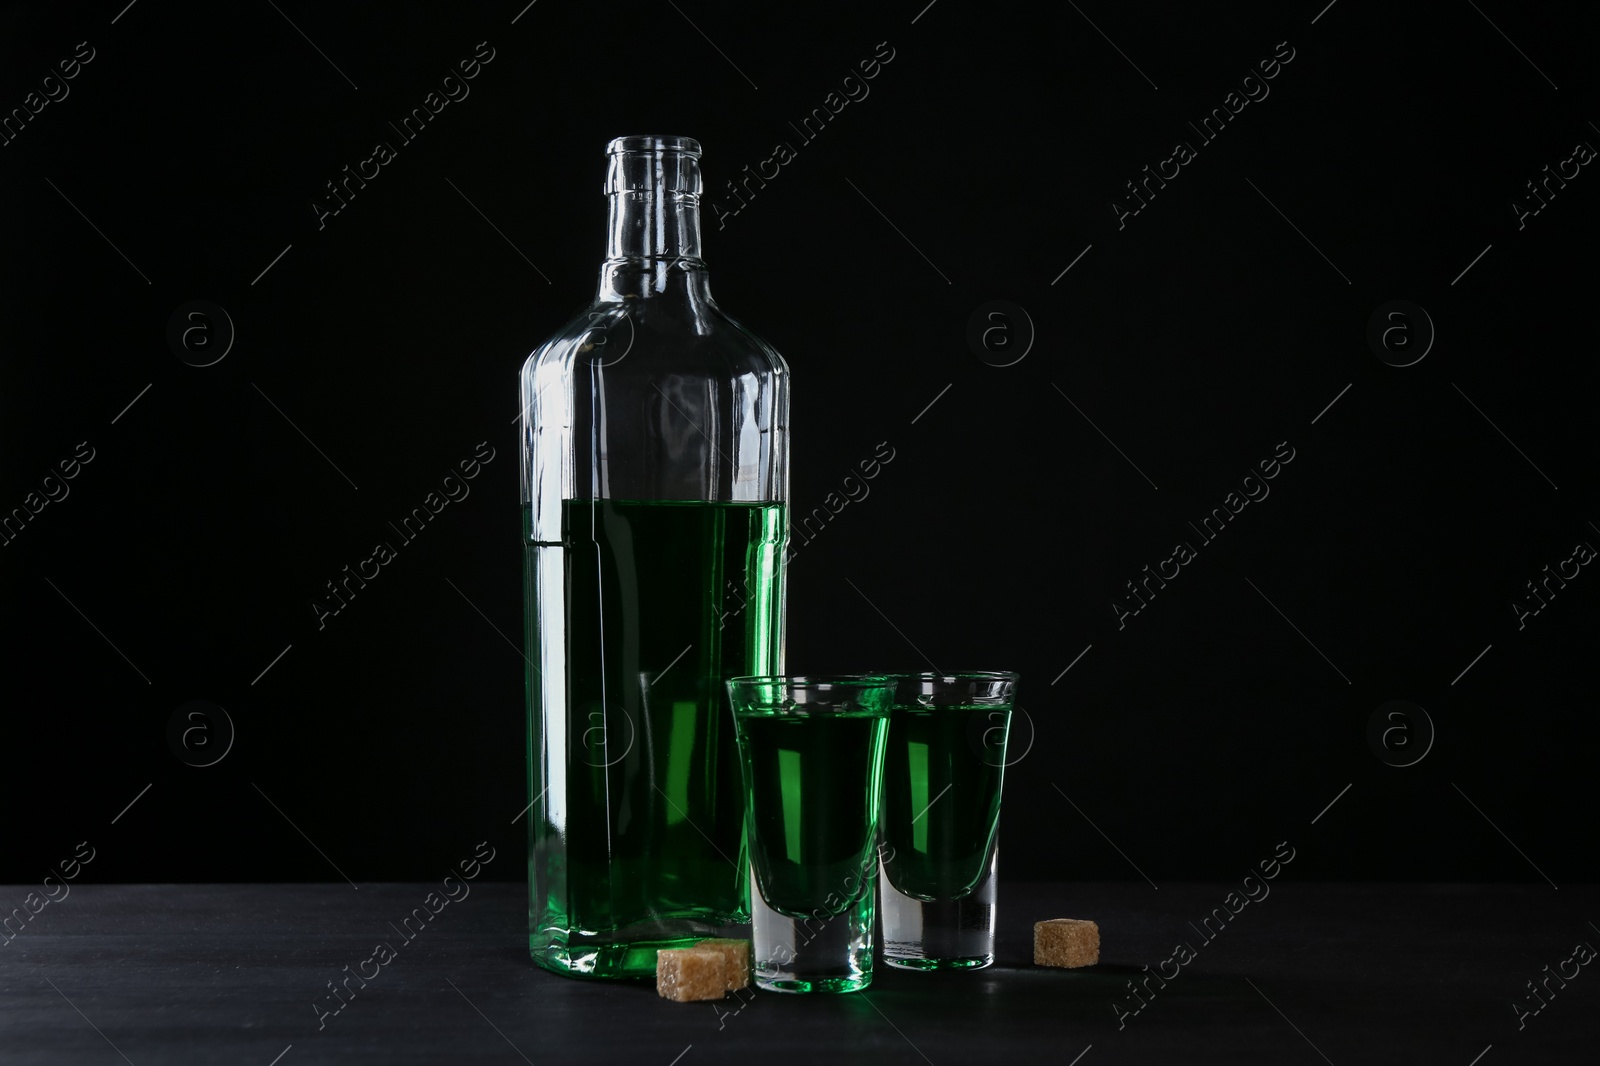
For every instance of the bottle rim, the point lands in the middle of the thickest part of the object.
(653, 142)
(958, 675)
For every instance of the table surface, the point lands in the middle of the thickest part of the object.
(1311, 973)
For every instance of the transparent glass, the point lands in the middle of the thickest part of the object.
(944, 765)
(811, 749)
(654, 486)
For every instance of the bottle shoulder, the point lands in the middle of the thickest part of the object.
(657, 335)
(780, 366)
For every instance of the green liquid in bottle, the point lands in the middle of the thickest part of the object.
(942, 774)
(811, 786)
(642, 612)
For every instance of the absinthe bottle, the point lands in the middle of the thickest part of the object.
(655, 478)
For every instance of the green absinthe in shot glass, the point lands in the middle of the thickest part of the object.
(811, 750)
(944, 765)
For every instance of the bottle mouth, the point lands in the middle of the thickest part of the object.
(654, 167)
(654, 142)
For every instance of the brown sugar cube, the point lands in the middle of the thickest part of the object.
(736, 957)
(687, 974)
(1067, 942)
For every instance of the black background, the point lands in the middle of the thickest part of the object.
(1197, 338)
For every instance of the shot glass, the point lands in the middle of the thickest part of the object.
(811, 751)
(944, 764)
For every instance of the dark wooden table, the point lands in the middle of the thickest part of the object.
(1352, 975)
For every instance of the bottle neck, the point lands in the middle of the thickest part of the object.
(653, 241)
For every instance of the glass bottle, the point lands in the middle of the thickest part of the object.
(655, 479)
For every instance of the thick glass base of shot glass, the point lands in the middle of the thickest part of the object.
(824, 953)
(940, 934)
